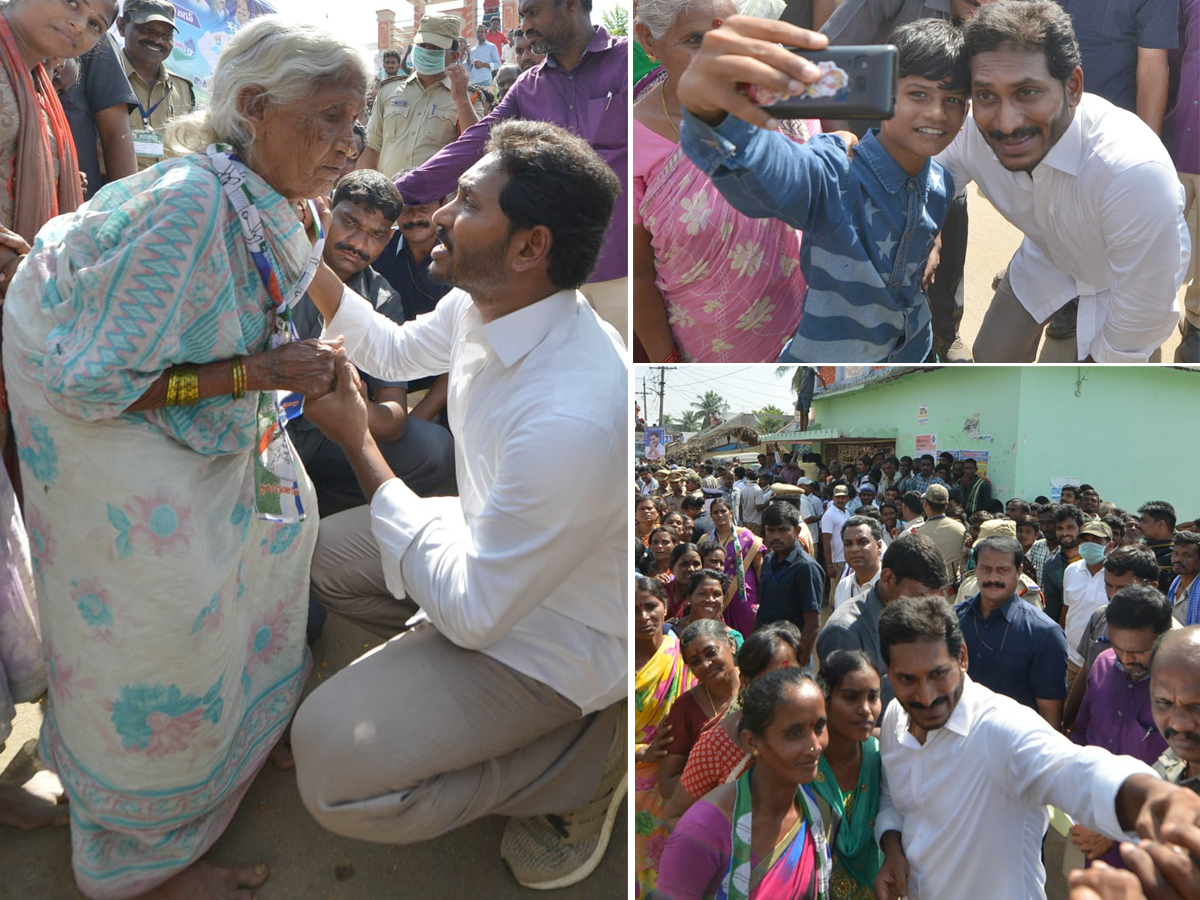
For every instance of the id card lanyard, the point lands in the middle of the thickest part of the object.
(276, 485)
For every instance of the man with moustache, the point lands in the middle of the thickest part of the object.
(1175, 704)
(791, 585)
(1116, 238)
(524, 53)
(507, 695)
(968, 774)
(404, 264)
(1184, 592)
(1015, 649)
(862, 545)
(421, 453)
(148, 27)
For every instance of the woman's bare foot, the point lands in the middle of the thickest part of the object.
(39, 801)
(281, 755)
(206, 881)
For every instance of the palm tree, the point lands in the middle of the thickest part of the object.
(668, 420)
(796, 373)
(691, 420)
(711, 404)
(769, 420)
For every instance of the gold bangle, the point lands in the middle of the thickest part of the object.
(183, 386)
(239, 378)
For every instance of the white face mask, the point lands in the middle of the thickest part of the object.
(428, 62)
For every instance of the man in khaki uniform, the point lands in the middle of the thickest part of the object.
(148, 27)
(414, 117)
(948, 534)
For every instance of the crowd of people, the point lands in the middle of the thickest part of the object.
(1039, 653)
(209, 367)
(758, 240)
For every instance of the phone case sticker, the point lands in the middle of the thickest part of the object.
(833, 80)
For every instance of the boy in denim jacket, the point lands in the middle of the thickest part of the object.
(869, 210)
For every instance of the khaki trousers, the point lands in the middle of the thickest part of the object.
(610, 299)
(1072, 673)
(419, 736)
(1009, 334)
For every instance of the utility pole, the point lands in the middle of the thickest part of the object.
(645, 406)
(662, 381)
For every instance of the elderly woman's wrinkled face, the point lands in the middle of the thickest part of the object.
(300, 148)
(680, 42)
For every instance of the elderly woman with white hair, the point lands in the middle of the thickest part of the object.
(709, 284)
(148, 347)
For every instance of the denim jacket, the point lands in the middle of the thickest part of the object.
(868, 229)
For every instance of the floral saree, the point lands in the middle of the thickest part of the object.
(657, 685)
(173, 617)
(741, 604)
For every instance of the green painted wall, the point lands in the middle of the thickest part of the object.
(1117, 435)
(1108, 436)
(951, 394)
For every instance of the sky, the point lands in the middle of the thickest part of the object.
(354, 20)
(745, 388)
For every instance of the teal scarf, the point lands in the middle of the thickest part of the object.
(852, 837)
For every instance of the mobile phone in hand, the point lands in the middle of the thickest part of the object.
(857, 82)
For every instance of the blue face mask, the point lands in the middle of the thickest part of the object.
(429, 62)
(1092, 553)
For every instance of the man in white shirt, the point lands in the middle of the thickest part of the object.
(508, 695)
(862, 543)
(1090, 185)
(811, 509)
(751, 504)
(1083, 590)
(485, 59)
(832, 520)
(968, 773)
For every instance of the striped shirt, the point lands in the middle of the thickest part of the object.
(868, 229)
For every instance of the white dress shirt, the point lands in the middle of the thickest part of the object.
(831, 524)
(1083, 594)
(970, 804)
(1102, 215)
(538, 408)
(849, 588)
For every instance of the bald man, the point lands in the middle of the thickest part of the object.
(1175, 703)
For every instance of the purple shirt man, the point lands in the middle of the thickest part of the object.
(1181, 127)
(590, 100)
(1115, 714)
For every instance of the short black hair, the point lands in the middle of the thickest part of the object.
(692, 502)
(908, 620)
(370, 189)
(1136, 558)
(913, 502)
(1067, 511)
(917, 558)
(1001, 543)
(1031, 25)
(739, 471)
(1186, 537)
(872, 524)
(392, 54)
(1138, 606)
(546, 165)
(1023, 506)
(778, 513)
(1160, 511)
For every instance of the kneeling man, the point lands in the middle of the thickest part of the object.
(506, 697)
